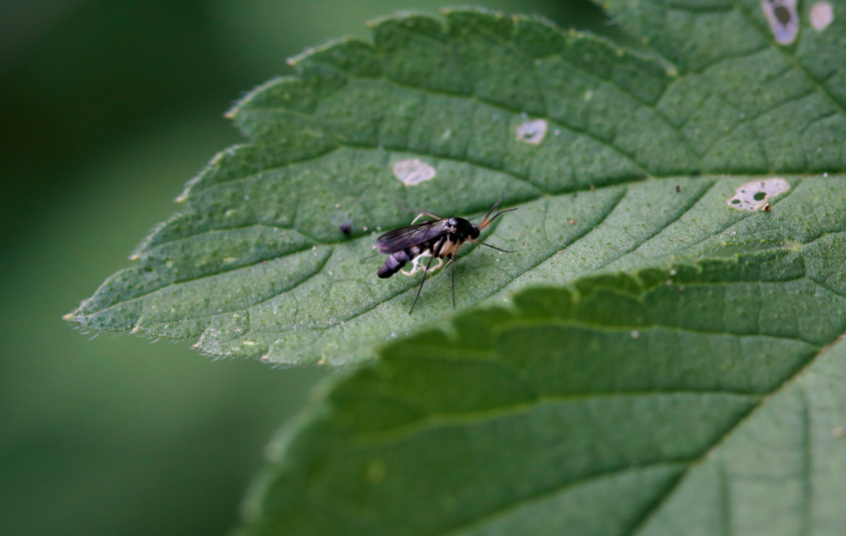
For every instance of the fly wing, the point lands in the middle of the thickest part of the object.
(405, 237)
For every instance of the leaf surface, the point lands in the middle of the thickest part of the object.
(703, 399)
(616, 161)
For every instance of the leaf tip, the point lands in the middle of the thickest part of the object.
(136, 329)
(69, 317)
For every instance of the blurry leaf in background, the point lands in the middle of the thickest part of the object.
(114, 435)
(102, 66)
(23, 23)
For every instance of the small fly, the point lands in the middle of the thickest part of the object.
(441, 238)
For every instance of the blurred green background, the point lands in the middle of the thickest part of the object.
(106, 109)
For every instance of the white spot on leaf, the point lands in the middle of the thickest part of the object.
(754, 195)
(821, 15)
(413, 171)
(532, 132)
(783, 19)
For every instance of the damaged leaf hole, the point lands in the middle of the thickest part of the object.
(532, 132)
(783, 19)
(413, 171)
(754, 195)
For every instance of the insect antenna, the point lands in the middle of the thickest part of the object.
(420, 288)
(488, 219)
(495, 216)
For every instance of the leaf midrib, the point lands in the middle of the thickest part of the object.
(444, 420)
(555, 490)
(574, 239)
(316, 241)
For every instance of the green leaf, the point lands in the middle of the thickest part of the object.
(616, 161)
(697, 400)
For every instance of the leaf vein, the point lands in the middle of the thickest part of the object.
(721, 440)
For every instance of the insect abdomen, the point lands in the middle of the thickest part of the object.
(393, 264)
(396, 261)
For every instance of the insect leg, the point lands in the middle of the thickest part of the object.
(423, 214)
(420, 288)
(493, 247)
(452, 259)
(401, 207)
(415, 263)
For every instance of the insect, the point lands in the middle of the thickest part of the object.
(441, 238)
